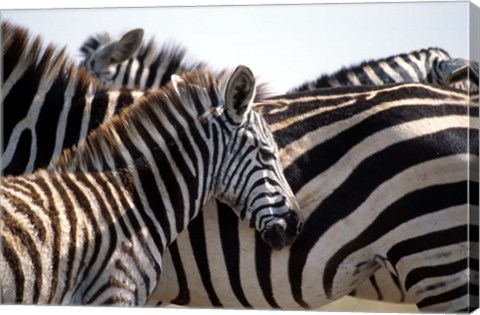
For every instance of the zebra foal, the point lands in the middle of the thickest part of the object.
(92, 229)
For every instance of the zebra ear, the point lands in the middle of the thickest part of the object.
(127, 45)
(240, 92)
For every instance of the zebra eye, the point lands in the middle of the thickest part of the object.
(267, 155)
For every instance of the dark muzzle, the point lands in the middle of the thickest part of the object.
(284, 231)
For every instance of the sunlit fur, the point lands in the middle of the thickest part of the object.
(432, 65)
(381, 174)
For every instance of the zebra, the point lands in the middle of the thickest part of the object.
(43, 113)
(141, 66)
(432, 65)
(202, 260)
(92, 228)
(380, 174)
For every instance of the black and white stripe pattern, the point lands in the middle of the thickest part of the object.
(48, 103)
(133, 64)
(196, 139)
(93, 228)
(432, 66)
(381, 176)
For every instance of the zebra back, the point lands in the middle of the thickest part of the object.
(432, 65)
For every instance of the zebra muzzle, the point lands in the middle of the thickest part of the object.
(284, 231)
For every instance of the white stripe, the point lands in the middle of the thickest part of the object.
(62, 120)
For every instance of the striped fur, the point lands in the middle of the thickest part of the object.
(93, 229)
(48, 103)
(432, 65)
(147, 67)
(381, 176)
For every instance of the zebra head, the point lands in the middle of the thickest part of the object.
(250, 178)
(102, 54)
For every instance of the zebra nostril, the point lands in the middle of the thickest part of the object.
(299, 228)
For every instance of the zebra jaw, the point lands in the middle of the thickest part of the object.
(284, 231)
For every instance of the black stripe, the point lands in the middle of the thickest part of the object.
(384, 76)
(362, 181)
(124, 100)
(48, 120)
(18, 101)
(263, 256)
(16, 229)
(106, 220)
(444, 297)
(19, 161)
(411, 206)
(373, 282)
(25, 209)
(399, 70)
(75, 116)
(152, 193)
(416, 65)
(330, 151)
(363, 77)
(418, 274)
(199, 247)
(86, 208)
(168, 175)
(183, 297)
(229, 237)
(98, 109)
(57, 235)
(437, 239)
(72, 220)
(128, 70)
(153, 67)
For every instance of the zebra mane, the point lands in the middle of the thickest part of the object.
(200, 87)
(22, 50)
(342, 73)
(149, 52)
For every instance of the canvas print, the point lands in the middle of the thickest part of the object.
(297, 157)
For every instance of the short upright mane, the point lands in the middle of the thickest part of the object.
(181, 99)
(149, 52)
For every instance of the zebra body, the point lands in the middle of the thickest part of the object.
(142, 66)
(48, 103)
(432, 66)
(93, 229)
(381, 176)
